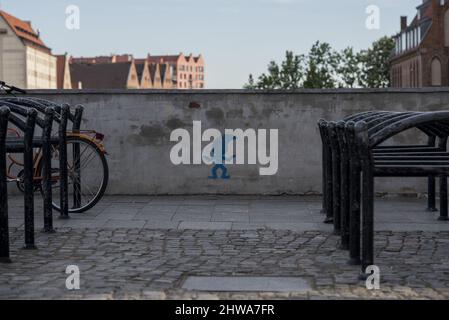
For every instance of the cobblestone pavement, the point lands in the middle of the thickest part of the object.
(142, 262)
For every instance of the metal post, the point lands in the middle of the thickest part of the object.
(28, 172)
(354, 197)
(46, 171)
(367, 199)
(336, 176)
(4, 226)
(63, 172)
(344, 188)
(431, 203)
(76, 159)
(328, 183)
(443, 199)
(442, 143)
(324, 156)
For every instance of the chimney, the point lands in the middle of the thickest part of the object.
(403, 23)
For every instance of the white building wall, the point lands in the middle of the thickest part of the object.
(12, 57)
(41, 69)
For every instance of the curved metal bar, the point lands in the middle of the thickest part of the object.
(75, 117)
(23, 112)
(362, 115)
(355, 115)
(26, 103)
(372, 129)
(404, 124)
(41, 104)
(374, 116)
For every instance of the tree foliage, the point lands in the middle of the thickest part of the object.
(375, 71)
(324, 67)
(322, 64)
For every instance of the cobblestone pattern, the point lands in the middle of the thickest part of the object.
(152, 264)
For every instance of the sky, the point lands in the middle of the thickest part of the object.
(236, 37)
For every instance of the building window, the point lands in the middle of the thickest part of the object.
(446, 28)
(436, 72)
(418, 74)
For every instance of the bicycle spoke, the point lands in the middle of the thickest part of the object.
(86, 175)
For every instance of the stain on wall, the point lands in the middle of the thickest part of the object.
(154, 134)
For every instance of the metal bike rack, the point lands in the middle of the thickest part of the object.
(27, 126)
(62, 116)
(14, 145)
(352, 151)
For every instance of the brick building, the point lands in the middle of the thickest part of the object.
(186, 72)
(63, 76)
(421, 55)
(153, 72)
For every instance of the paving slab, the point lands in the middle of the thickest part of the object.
(205, 225)
(247, 284)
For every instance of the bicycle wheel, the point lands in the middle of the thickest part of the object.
(87, 178)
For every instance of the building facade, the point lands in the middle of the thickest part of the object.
(25, 61)
(153, 72)
(186, 72)
(421, 55)
(63, 76)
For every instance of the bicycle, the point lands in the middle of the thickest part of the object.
(87, 167)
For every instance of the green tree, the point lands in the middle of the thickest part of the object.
(349, 68)
(251, 83)
(325, 68)
(288, 75)
(376, 64)
(322, 63)
(292, 71)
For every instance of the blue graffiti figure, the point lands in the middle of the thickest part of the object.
(221, 167)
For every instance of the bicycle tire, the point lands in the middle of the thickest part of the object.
(102, 189)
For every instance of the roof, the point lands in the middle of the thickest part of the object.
(164, 70)
(155, 73)
(140, 66)
(423, 21)
(23, 30)
(100, 76)
(103, 59)
(167, 58)
(426, 9)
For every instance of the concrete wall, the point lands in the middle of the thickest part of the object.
(137, 125)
